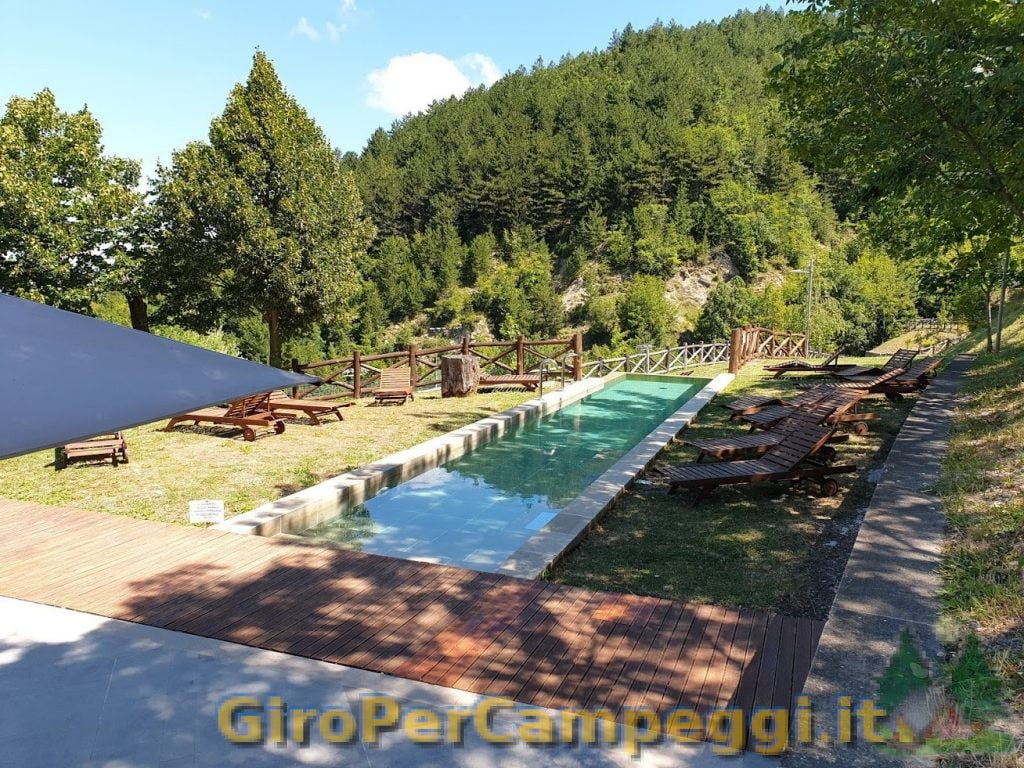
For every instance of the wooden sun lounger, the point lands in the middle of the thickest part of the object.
(395, 386)
(830, 364)
(869, 383)
(529, 381)
(113, 447)
(914, 379)
(249, 413)
(738, 445)
(313, 409)
(901, 358)
(841, 405)
(792, 459)
(745, 406)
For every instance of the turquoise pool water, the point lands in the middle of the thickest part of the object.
(476, 510)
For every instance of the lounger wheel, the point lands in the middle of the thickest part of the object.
(829, 487)
(279, 427)
(860, 428)
(248, 434)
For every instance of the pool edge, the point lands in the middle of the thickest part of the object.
(311, 506)
(571, 524)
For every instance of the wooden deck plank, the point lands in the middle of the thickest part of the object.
(537, 642)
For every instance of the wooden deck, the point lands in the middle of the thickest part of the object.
(532, 641)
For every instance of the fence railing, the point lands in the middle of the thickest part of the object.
(667, 360)
(753, 342)
(932, 324)
(360, 374)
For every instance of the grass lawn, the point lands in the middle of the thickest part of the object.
(771, 546)
(167, 469)
(983, 491)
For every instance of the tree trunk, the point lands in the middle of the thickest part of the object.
(138, 312)
(460, 375)
(1002, 300)
(988, 318)
(274, 331)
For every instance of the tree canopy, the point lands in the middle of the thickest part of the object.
(65, 206)
(260, 220)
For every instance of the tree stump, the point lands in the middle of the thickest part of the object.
(460, 375)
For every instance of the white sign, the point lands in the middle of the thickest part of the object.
(206, 511)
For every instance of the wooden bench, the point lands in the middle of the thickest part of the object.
(113, 447)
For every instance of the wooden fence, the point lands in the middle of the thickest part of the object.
(359, 375)
(754, 342)
(932, 324)
(667, 360)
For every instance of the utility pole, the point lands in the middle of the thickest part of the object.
(810, 298)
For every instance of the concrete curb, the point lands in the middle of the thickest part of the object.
(891, 579)
(571, 524)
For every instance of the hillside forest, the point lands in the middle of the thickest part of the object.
(667, 187)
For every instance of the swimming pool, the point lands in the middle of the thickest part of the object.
(474, 511)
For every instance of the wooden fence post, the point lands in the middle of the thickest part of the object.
(521, 356)
(357, 377)
(577, 361)
(807, 345)
(465, 345)
(412, 366)
(735, 350)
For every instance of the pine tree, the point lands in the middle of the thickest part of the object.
(264, 213)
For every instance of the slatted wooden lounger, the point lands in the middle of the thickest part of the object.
(830, 364)
(395, 386)
(528, 381)
(843, 403)
(901, 358)
(748, 443)
(792, 459)
(914, 379)
(870, 383)
(314, 409)
(249, 413)
(113, 447)
(744, 406)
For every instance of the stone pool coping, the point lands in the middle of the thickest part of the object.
(571, 524)
(311, 506)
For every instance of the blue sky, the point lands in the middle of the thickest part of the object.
(154, 73)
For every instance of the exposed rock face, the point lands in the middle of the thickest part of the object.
(688, 291)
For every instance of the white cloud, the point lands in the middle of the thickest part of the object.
(204, 14)
(347, 6)
(334, 31)
(304, 28)
(411, 83)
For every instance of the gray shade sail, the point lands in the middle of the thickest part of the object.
(66, 377)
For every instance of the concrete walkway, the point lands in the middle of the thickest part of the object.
(83, 691)
(891, 579)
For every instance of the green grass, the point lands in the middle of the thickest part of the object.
(167, 469)
(757, 546)
(983, 491)
(921, 338)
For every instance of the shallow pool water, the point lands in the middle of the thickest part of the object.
(476, 510)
